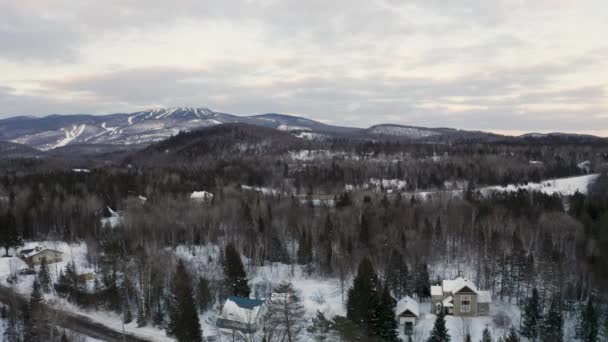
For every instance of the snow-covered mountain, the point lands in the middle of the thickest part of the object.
(139, 128)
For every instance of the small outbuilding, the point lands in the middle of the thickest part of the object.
(407, 310)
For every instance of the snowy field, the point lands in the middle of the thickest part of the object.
(563, 186)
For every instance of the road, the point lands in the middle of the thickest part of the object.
(75, 322)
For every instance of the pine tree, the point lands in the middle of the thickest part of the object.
(384, 323)
(183, 317)
(439, 332)
(203, 295)
(532, 317)
(44, 276)
(512, 336)
(236, 278)
(305, 255)
(321, 328)
(9, 237)
(35, 313)
(423, 287)
(588, 327)
(363, 297)
(486, 335)
(397, 275)
(552, 326)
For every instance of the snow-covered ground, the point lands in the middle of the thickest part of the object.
(327, 295)
(563, 186)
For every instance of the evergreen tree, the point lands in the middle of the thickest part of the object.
(236, 278)
(305, 255)
(34, 314)
(321, 328)
(588, 327)
(423, 283)
(397, 275)
(512, 336)
(384, 323)
(363, 297)
(486, 335)
(9, 237)
(44, 276)
(203, 295)
(532, 317)
(183, 317)
(36, 297)
(439, 332)
(552, 327)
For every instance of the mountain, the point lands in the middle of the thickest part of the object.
(87, 134)
(137, 129)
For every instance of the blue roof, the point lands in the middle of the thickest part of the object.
(246, 303)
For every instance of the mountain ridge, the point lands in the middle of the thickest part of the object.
(155, 124)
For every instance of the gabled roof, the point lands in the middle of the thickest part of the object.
(436, 290)
(28, 253)
(407, 304)
(458, 284)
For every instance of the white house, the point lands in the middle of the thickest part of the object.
(460, 297)
(202, 196)
(408, 313)
(242, 314)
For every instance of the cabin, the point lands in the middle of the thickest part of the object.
(408, 313)
(35, 255)
(460, 297)
(242, 314)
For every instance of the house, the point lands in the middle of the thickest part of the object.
(460, 297)
(242, 314)
(35, 255)
(408, 313)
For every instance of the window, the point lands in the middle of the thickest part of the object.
(465, 303)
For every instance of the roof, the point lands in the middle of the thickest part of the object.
(448, 302)
(240, 309)
(407, 304)
(33, 252)
(26, 251)
(484, 297)
(246, 303)
(458, 284)
(436, 290)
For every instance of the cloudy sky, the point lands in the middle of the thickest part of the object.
(502, 65)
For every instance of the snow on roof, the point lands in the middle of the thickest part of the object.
(458, 284)
(436, 290)
(448, 302)
(201, 195)
(31, 252)
(484, 297)
(241, 309)
(407, 304)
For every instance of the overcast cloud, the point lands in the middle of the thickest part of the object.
(504, 65)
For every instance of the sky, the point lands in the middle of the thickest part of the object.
(508, 66)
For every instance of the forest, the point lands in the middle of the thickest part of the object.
(310, 207)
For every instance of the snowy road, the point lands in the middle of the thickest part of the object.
(75, 322)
